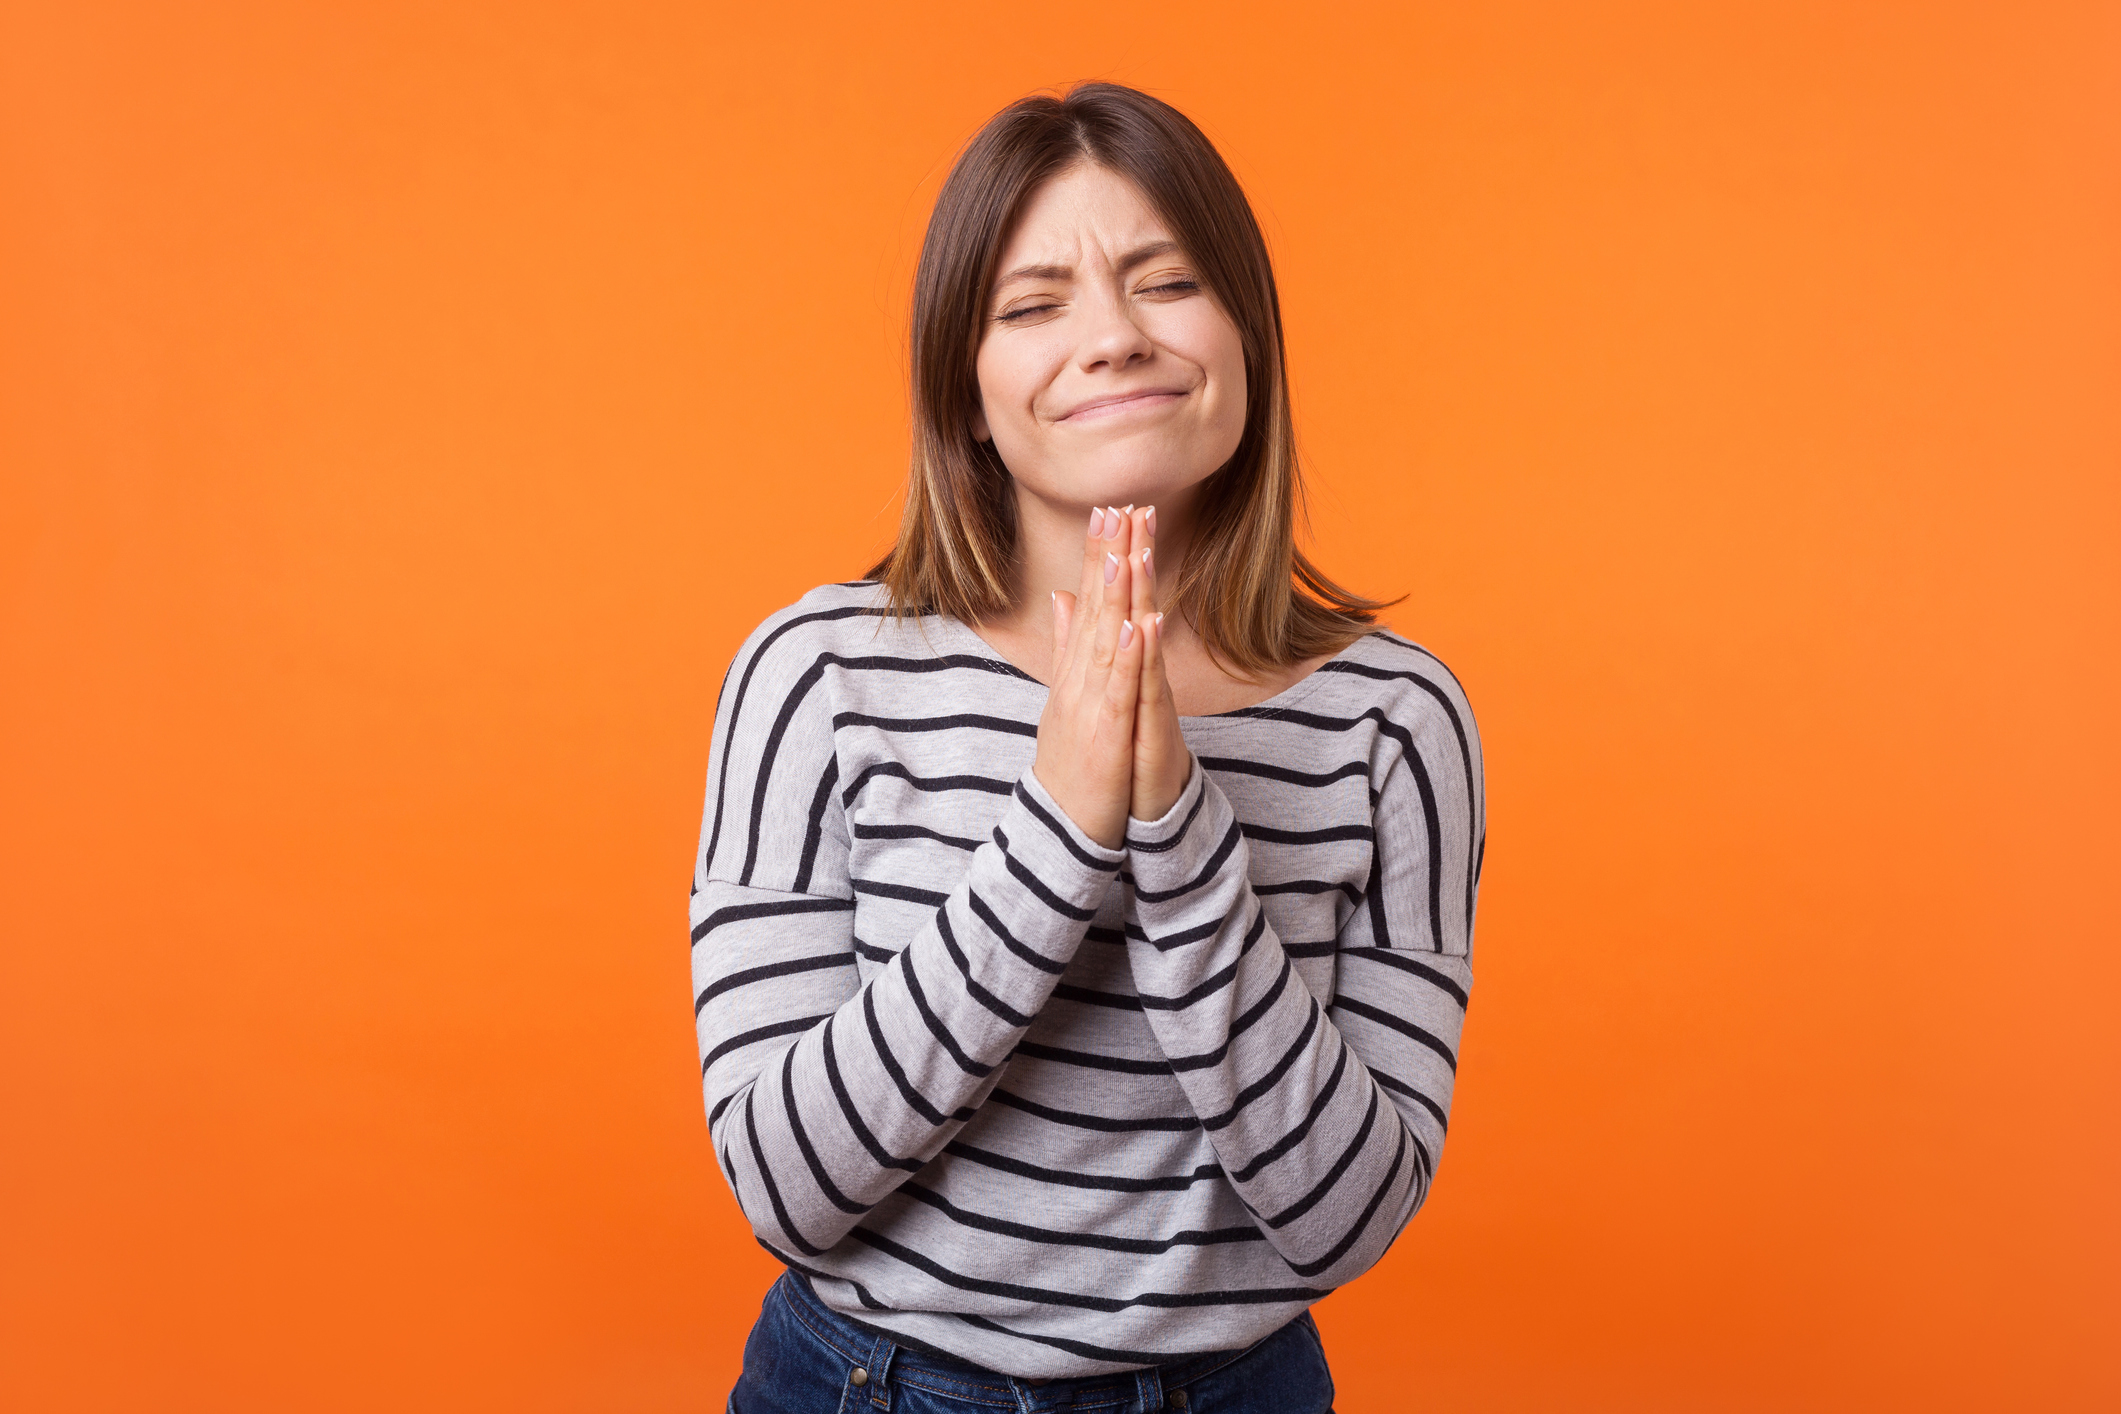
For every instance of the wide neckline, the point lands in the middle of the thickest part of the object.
(1296, 691)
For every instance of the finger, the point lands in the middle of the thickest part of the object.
(1142, 599)
(1118, 581)
(1089, 598)
(1155, 688)
(1123, 685)
(1063, 621)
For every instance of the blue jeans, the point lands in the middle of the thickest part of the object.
(804, 1359)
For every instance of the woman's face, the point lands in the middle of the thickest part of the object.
(1107, 374)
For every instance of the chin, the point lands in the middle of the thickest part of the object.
(1140, 475)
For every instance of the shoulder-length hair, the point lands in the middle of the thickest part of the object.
(1253, 597)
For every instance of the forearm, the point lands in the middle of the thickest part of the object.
(815, 1126)
(1311, 1144)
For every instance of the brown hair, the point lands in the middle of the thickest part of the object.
(1252, 596)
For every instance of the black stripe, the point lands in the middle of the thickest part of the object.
(1271, 1079)
(1002, 1227)
(883, 1157)
(973, 989)
(1400, 1024)
(772, 969)
(777, 908)
(743, 686)
(1102, 1124)
(1200, 798)
(1208, 871)
(1362, 1223)
(1061, 833)
(931, 784)
(1324, 836)
(1069, 992)
(810, 677)
(993, 923)
(1160, 1299)
(816, 831)
(1086, 1059)
(912, 832)
(1407, 964)
(825, 1185)
(1458, 728)
(1400, 1087)
(1245, 1021)
(1303, 1126)
(1216, 980)
(773, 1191)
(903, 893)
(1333, 1175)
(938, 1030)
(1044, 895)
(915, 1101)
(1065, 1178)
(936, 724)
(1239, 766)
(1309, 886)
(762, 1033)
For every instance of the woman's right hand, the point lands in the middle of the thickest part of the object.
(1086, 734)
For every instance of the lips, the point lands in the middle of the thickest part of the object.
(1117, 403)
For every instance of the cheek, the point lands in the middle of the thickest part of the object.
(1011, 371)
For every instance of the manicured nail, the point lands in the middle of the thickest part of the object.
(1149, 520)
(1111, 521)
(1148, 571)
(1097, 524)
(1111, 567)
(1126, 632)
(1159, 623)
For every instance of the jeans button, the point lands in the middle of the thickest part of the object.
(859, 1378)
(1178, 1397)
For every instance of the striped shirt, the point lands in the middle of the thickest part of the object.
(1050, 1107)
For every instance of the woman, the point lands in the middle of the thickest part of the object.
(1082, 916)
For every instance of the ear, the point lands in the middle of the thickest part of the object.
(980, 431)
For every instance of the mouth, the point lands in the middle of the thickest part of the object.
(1120, 404)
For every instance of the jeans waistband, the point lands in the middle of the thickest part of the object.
(886, 1356)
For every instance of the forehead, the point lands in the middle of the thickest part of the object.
(1086, 210)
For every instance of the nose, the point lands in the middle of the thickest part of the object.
(1111, 339)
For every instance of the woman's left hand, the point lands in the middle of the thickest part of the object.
(1162, 764)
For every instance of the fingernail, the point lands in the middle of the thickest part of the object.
(1097, 523)
(1111, 567)
(1149, 520)
(1148, 571)
(1111, 521)
(1159, 621)
(1126, 632)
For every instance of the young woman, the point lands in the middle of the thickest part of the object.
(1083, 909)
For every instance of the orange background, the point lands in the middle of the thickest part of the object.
(407, 408)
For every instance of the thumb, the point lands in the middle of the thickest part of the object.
(1063, 620)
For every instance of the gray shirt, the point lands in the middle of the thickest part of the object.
(1054, 1108)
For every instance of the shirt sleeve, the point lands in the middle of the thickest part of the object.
(825, 1093)
(1328, 1119)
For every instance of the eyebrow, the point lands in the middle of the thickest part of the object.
(1138, 256)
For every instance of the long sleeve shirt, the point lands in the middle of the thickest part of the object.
(1055, 1108)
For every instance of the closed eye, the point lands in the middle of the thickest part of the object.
(1011, 316)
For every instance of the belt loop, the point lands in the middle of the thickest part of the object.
(1149, 1388)
(880, 1357)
